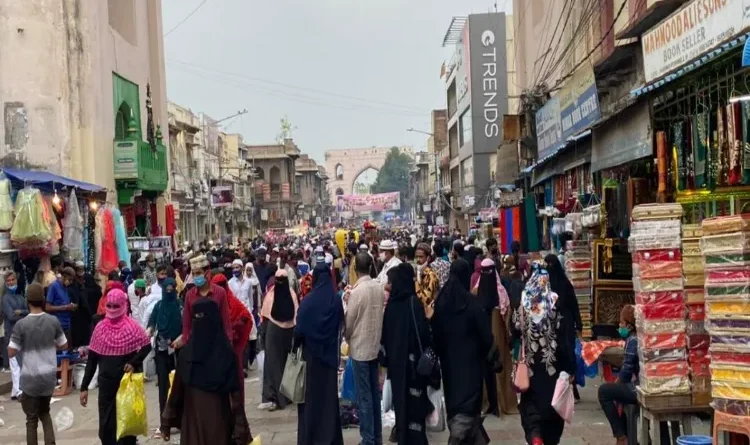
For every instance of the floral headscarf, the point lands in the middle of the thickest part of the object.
(537, 299)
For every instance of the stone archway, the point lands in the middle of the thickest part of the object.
(364, 179)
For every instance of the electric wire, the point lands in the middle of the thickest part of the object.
(186, 18)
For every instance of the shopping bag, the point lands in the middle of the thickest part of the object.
(293, 379)
(387, 396)
(255, 441)
(260, 360)
(563, 401)
(130, 406)
(436, 420)
(171, 380)
(348, 391)
(582, 369)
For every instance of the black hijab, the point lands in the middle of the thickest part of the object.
(558, 281)
(487, 291)
(283, 304)
(402, 282)
(320, 316)
(210, 364)
(455, 295)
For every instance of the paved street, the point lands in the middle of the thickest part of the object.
(589, 425)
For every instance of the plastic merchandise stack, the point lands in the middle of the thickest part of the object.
(697, 336)
(578, 269)
(655, 243)
(726, 252)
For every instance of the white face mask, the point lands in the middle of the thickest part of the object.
(382, 256)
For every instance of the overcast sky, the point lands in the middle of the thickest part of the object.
(346, 73)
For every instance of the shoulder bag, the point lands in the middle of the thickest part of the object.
(293, 379)
(427, 359)
(521, 370)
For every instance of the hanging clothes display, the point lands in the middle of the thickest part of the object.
(700, 144)
(91, 242)
(734, 143)
(170, 228)
(53, 247)
(105, 230)
(678, 155)
(73, 230)
(31, 229)
(121, 237)
(6, 206)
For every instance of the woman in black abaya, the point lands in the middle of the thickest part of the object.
(567, 302)
(318, 329)
(463, 341)
(403, 320)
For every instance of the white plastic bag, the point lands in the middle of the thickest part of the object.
(563, 401)
(64, 419)
(436, 420)
(260, 360)
(387, 396)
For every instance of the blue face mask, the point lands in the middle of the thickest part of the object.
(13, 288)
(236, 273)
(199, 281)
(624, 332)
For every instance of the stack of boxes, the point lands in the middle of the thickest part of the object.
(578, 266)
(697, 337)
(655, 243)
(726, 251)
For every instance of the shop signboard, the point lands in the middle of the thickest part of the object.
(548, 128)
(377, 202)
(579, 102)
(624, 138)
(264, 214)
(126, 159)
(694, 29)
(221, 196)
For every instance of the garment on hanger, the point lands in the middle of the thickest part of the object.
(31, 229)
(73, 230)
(108, 258)
(6, 205)
(121, 238)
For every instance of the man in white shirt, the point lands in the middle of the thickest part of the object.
(388, 256)
(240, 285)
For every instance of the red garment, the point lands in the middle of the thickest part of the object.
(102, 308)
(169, 220)
(217, 294)
(109, 258)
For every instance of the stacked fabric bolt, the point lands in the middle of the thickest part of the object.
(726, 250)
(698, 339)
(655, 243)
(578, 269)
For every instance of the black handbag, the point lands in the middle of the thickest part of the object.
(428, 361)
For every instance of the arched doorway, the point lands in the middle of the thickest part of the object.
(364, 181)
(275, 178)
(121, 121)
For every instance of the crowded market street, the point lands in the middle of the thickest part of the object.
(280, 427)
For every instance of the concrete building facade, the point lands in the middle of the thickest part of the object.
(275, 197)
(74, 64)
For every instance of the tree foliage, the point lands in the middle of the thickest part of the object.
(394, 175)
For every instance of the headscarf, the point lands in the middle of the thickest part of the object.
(538, 300)
(303, 268)
(477, 271)
(558, 281)
(627, 314)
(168, 311)
(282, 309)
(239, 316)
(455, 295)
(117, 334)
(319, 318)
(491, 285)
(253, 277)
(402, 282)
(210, 364)
(111, 285)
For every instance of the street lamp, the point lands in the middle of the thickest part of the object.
(437, 168)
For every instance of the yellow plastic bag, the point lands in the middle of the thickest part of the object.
(171, 380)
(130, 406)
(255, 441)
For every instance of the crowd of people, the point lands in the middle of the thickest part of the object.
(428, 313)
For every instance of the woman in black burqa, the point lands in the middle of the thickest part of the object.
(463, 341)
(403, 320)
(205, 402)
(319, 322)
(567, 302)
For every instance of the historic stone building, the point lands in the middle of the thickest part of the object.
(352, 170)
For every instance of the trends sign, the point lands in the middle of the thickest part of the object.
(489, 80)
